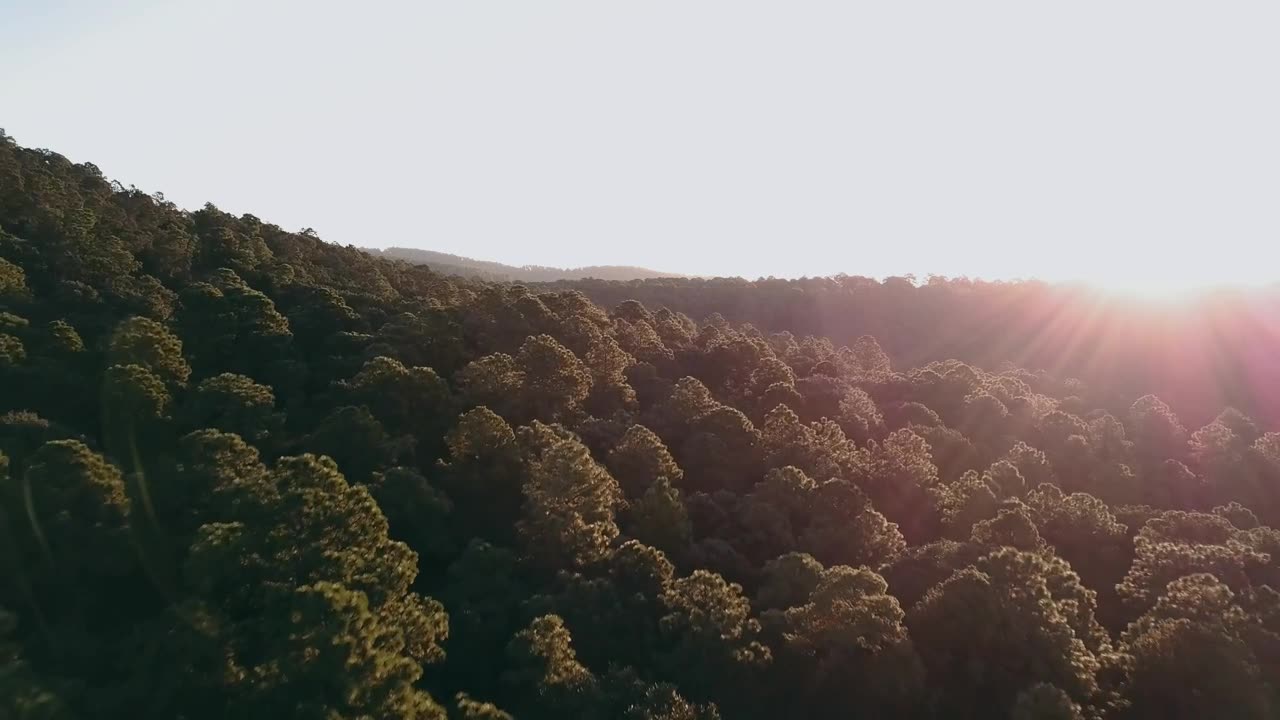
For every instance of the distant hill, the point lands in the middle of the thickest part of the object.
(447, 264)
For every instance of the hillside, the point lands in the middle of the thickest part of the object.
(447, 264)
(245, 473)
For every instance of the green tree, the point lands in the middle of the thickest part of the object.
(710, 637)
(24, 694)
(1043, 701)
(659, 518)
(235, 404)
(569, 500)
(484, 475)
(545, 676)
(415, 401)
(1015, 636)
(148, 344)
(852, 649)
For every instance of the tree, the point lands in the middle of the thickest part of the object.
(859, 417)
(847, 530)
(902, 473)
(1181, 669)
(360, 444)
(79, 510)
(721, 451)
(787, 581)
(852, 648)
(1006, 479)
(555, 380)
(963, 503)
(546, 676)
(417, 514)
(335, 657)
(631, 698)
(639, 460)
(1013, 617)
(13, 280)
(868, 359)
(916, 571)
(1176, 544)
(1043, 701)
(1157, 433)
(659, 518)
(1083, 531)
(134, 402)
(569, 500)
(1011, 527)
(235, 404)
(469, 709)
(213, 473)
(148, 344)
(319, 598)
(484, 475)
(710, 644)
(483, 592)
(1031, 464)
(24, 695)
(12, 352)
(228, 326)
(415, 401)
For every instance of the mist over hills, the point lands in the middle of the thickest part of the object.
(448, 264)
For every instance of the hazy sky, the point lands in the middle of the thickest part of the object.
(995, 139)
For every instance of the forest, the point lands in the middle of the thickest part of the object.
(246, 473)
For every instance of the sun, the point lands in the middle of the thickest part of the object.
(1159, 285)
(1156, 289)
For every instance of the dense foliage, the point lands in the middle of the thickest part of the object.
(245, 473)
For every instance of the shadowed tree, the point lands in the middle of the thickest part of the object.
(1181, 669)
(901, 475)
(709, 638)
(659, 518)
(418, 515)
(24, 694)
(1013, 616)
(483, 594)
(1043, 701)
(546, 678)
(847, 530)
(360, 444)
(1011, 527)
(640, 459)
(1157, 433)
(787, 581)
(235, 404)
(849, 648)
(484, 475)
(413, 401)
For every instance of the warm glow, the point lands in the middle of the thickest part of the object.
(1166, 287)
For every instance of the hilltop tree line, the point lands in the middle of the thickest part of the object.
(1200, 353)
(246, 473)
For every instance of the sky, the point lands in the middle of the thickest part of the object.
(1117, 141)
